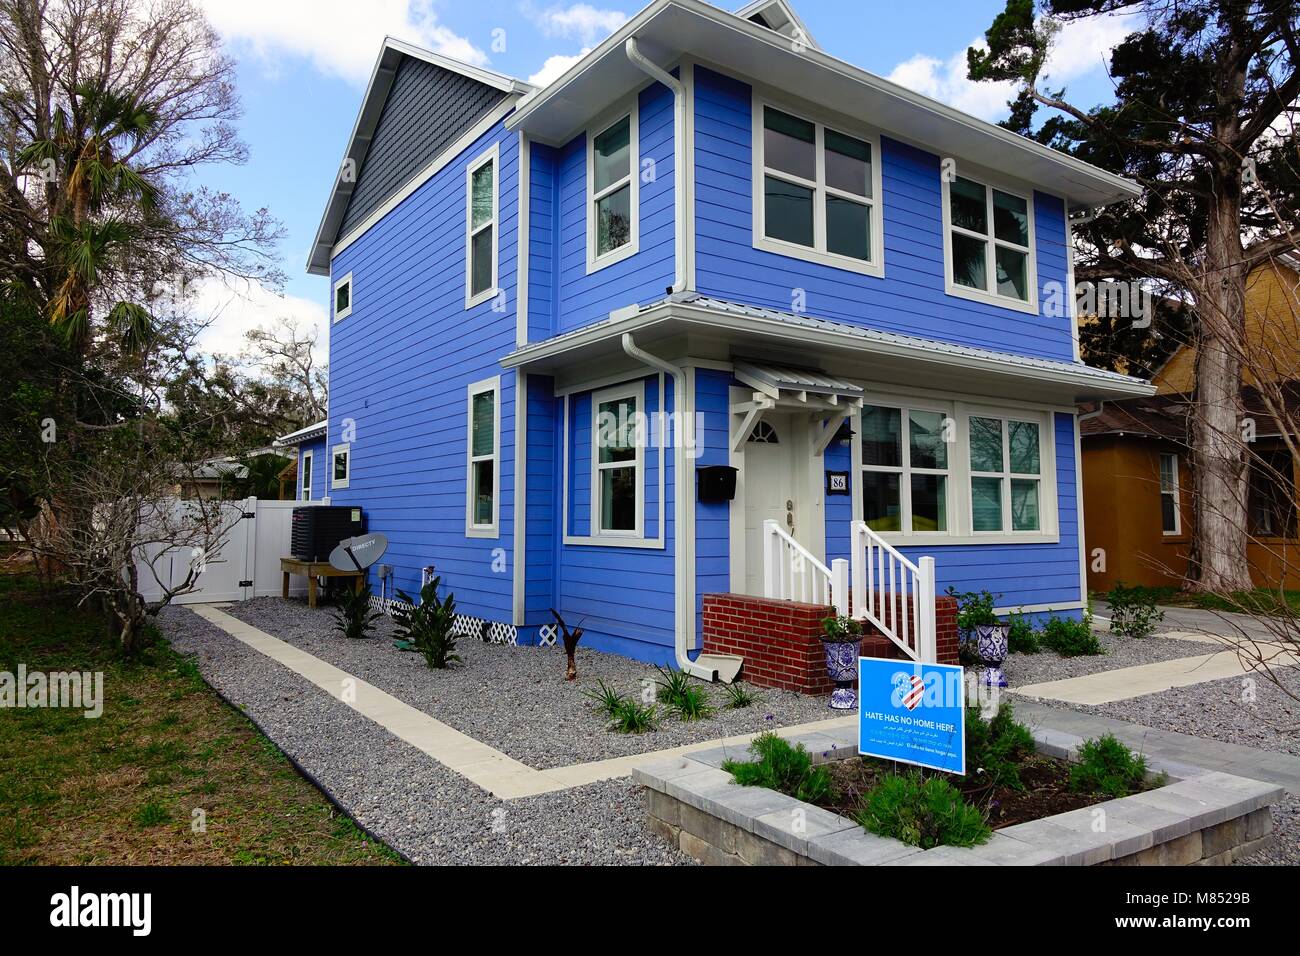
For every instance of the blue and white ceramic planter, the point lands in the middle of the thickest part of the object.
(991, 646)
(842, 666)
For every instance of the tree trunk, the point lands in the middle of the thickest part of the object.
(1218, 446)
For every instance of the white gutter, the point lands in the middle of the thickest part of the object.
(680, 159)
(683, 597)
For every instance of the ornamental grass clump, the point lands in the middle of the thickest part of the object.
(689, 701)
(922, 811)
(784, 768)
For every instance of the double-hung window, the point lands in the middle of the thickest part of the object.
(1005, 475)
(481, 213)
(618, 461)
(612, 192)
(341, 466)
(816, 192)
(905, 469)
(343, 297)
(482, 506)
(305, 466)
(989, 240)
(1171, 521)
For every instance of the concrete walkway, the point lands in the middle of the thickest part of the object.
(1190, 620)
(486, 767)
(1280, 769)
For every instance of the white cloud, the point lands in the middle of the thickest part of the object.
(236, 307)
(339, 37)
(555, 66)
(1082, 47)
(579, 20)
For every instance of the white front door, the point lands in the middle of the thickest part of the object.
(770, 490)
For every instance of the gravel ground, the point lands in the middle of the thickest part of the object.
(515, 698)
(1215, 710)
(406, 798)
(1022, 669)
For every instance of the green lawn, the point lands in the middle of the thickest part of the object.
(123, 788)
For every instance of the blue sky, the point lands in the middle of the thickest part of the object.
(303, 66)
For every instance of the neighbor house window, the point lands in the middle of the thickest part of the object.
(990, 241)
(341, 467)
(905, 469)
(482, 505)
(481, 228)
(343, 297)
(612, 192)
(306, 475)
(1171, 521)
(1005, 474)
(1271, 499)
(618, 460)
(816, 192)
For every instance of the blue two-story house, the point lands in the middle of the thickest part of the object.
(711, 299)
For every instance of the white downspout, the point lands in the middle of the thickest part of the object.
(684, 611)
(680, 159)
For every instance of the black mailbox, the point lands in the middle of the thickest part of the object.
(715, 484)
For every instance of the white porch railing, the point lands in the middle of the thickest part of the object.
(894, 594)
(790, 572)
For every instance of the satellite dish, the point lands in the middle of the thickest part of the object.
(359, 553)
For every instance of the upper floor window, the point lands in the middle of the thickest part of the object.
(481, 228)
(343, 297)
(618, 464)
(306, 475)
(612, 192)
(484, 458)
(1170, 520)
(989, 244)
(816, 192)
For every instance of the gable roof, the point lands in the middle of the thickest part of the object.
(363, 130)
(779, 16)
(668, 29)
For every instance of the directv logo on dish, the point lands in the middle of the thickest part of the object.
(103, 909)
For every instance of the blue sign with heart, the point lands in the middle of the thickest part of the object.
(912, 713)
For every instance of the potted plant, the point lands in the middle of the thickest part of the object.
(983, 636)
(842, 641)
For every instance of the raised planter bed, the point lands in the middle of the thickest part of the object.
(1198, 817)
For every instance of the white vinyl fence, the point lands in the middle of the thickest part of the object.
(246, 566)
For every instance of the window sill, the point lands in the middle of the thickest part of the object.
(486, 295)
(485, 532)
(828, 259)
(946, 540)
(614, 541)
(988, 298)
(596, 263)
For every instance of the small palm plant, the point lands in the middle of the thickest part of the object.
(353, 614)
(427, 627)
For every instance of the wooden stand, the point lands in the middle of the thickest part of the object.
(312, 570)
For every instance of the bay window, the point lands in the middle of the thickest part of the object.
(816, 192)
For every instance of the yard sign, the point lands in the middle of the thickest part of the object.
(912, 713)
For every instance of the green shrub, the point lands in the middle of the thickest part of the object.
(783, 768)
(1106, 766)
(1071, 638)
(922, 811)
(974, 607)
(738, 696)
(352, 613)
(606, 700)
(995, 748)
(1021, 636)
(427, 627)
(1133, 612)
(633, 717)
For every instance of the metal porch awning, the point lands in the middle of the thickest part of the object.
(790, 387)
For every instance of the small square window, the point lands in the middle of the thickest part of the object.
(343, 297)
(341, 466)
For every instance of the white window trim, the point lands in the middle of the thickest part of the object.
(352, 298)
(635, 391)
(960, 518)
(304, 465)
(991, 243)
(905, 470)
(492, 530)
(1006, 475)
(492, 156)
(1174, 493)
(818, 254)
(632, 111)
(345, 449)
